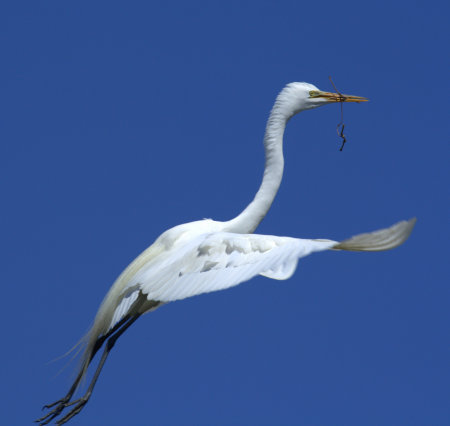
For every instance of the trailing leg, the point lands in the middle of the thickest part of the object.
(64, 402)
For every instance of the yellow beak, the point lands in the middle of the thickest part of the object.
(336, 97)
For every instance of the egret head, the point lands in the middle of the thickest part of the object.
(296, 97)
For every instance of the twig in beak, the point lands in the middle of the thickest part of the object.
(341, 125)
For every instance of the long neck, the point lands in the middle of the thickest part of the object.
(250, 218)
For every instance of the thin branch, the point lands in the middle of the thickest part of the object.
(340, 127)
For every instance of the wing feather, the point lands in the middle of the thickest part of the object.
(123, 307)
(212, 262)
(215, 261)
(383, 239)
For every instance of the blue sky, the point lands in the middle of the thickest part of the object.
(122, 119)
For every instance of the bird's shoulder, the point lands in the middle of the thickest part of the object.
(165, 245)
(181, 234)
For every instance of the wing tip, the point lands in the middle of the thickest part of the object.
(383, 239)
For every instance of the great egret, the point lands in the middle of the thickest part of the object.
(208, 255)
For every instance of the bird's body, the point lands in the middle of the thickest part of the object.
(207, 255)
(196, 258)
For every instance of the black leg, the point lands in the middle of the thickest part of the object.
(63, 403)
(81, 402)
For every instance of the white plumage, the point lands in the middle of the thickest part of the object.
(219, 260)
(204, 256)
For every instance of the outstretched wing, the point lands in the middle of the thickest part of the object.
(221, 260)
(216, 261)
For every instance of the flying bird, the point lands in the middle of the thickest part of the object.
(208, 255)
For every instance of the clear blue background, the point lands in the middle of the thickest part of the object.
(122, 119)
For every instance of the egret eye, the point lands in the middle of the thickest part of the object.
(314, 94)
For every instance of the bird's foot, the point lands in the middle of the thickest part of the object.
(79, 404)
(59, 406)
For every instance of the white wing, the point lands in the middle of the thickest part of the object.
(216, 261)
(124, 307)
(221, 260)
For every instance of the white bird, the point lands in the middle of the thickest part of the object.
(207, 255)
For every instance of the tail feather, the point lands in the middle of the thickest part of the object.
(384, 239)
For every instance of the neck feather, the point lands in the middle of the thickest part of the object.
(250, 218)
